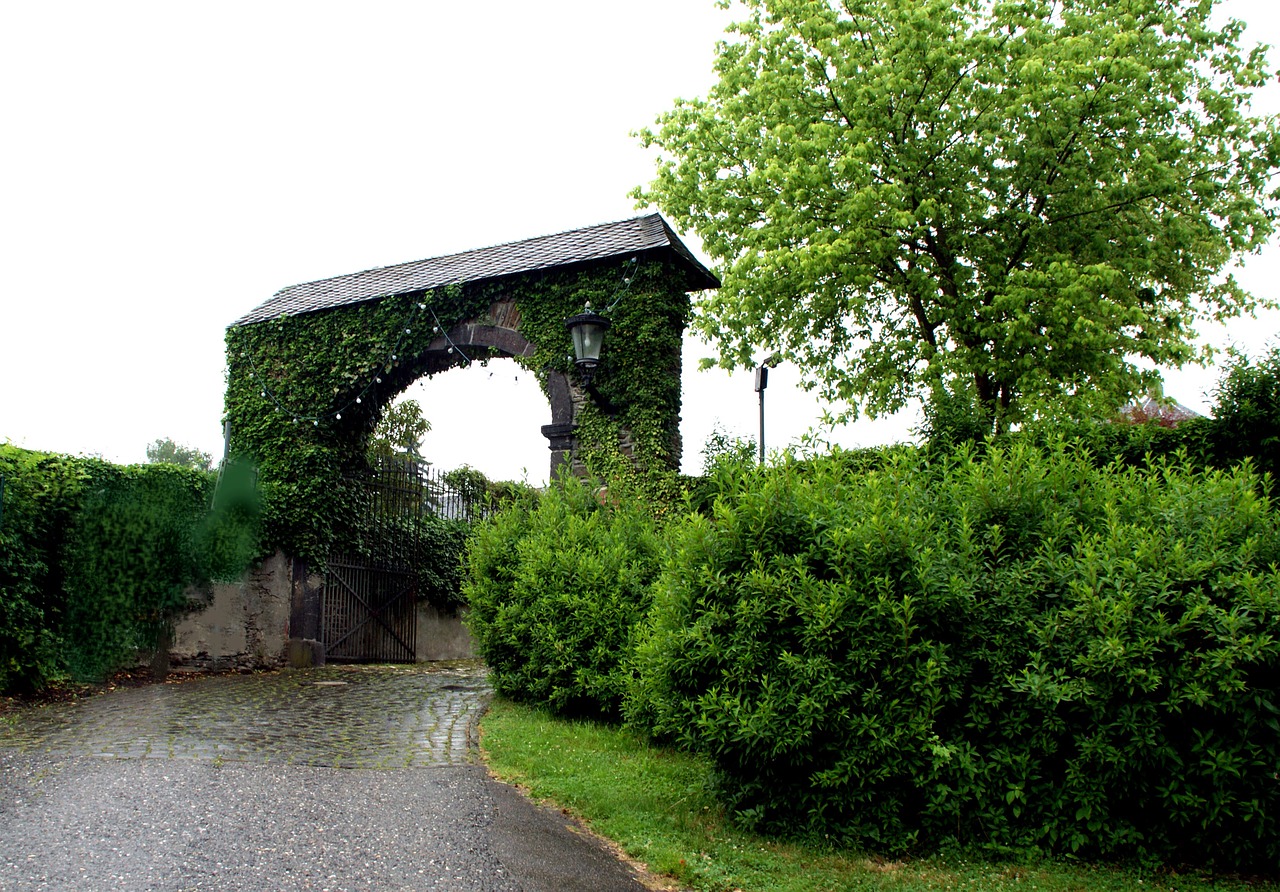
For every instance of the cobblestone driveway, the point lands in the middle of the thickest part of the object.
(337, 716)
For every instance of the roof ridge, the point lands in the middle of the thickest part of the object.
(493, 247)
(599, 241)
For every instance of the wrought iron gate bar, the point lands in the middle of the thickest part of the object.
(363, 624)
(348, 575)
(369, 604)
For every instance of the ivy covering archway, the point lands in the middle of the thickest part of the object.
(310, 371)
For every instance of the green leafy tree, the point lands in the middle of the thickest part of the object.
(172, 453)
(1005, 202)
(472, 487)
(1247, 412)
(400, 430)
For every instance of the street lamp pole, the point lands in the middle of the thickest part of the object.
(762, 381)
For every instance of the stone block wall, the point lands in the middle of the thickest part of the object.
(271, 617)
(442, 635)
(242, 624)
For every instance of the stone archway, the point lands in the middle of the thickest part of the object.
(498, 333)
(311, 369)
(492, 295)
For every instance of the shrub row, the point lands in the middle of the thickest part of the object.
(1245, 426)
(1018, 650)
(95, 558)
(41, 495)
(1025, 650)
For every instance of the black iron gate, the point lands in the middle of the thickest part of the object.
(369, 612)
(369, 605)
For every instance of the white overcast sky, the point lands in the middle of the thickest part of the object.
(168, 166)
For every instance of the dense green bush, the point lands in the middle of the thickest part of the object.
(1246, 413)
(95, 558)
(556, 585)
(41, 494)
(1244, 426)
(130, 556)
(444, 549)
(1026, 650)
(420, 522)
(433, 546)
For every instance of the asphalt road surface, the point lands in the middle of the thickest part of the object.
(339, 779)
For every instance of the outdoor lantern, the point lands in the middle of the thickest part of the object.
(587, 329)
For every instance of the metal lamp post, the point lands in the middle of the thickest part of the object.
(762, 381)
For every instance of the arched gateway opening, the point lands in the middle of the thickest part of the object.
(311, 370)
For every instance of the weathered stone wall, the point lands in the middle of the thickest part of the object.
(442, 635)
(243, 624)
(271, 617)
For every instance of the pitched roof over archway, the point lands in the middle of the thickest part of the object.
(646, 235)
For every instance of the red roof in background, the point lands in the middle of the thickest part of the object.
(1166, 413)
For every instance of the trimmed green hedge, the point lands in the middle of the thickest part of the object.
(1021, 651)
(1066, 641)
(41, 495)
(95, 558)
(129, 558)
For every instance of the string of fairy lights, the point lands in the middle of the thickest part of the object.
(393, 356)
(628, 273)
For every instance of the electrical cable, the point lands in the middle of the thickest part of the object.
(452, 346)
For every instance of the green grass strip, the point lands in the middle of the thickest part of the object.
(659, 807)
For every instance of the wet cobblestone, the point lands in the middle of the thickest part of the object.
(379, 717)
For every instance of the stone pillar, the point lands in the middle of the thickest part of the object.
(560, 432)
(562, 444)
